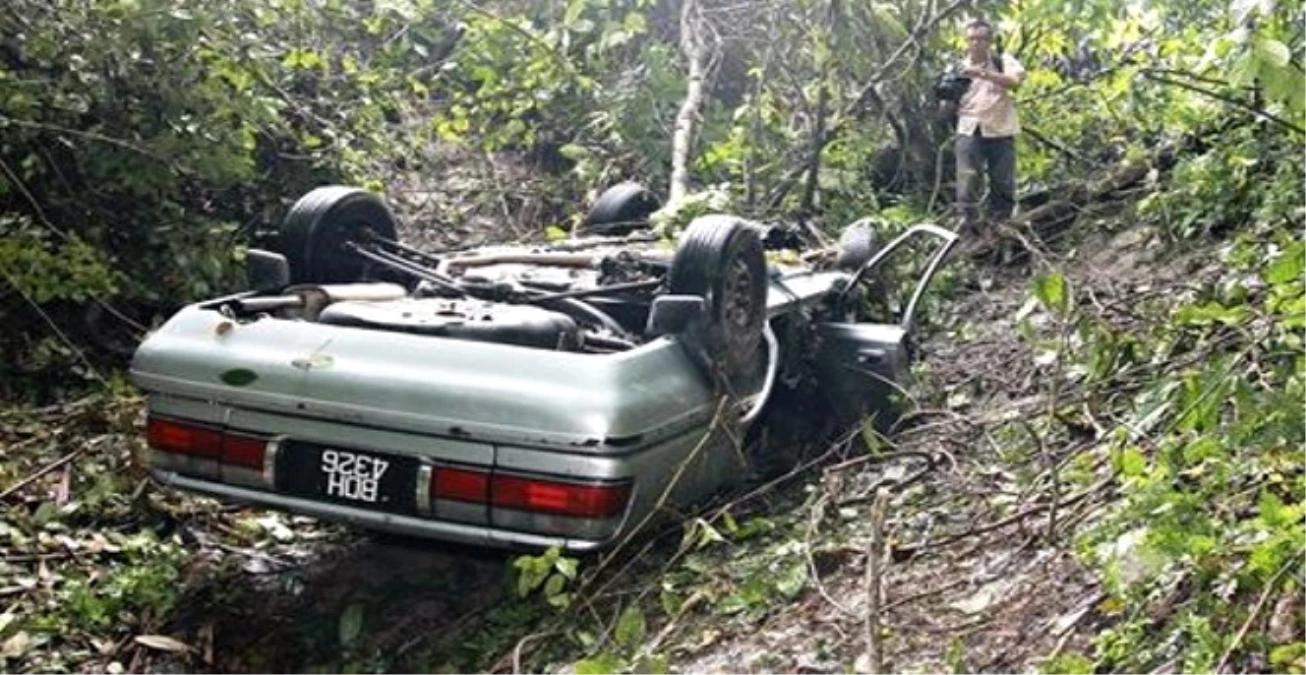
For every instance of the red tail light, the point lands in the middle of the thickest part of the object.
(567, 499)
(246, 451)
(460, 485)
(582, 500)
(183, 439)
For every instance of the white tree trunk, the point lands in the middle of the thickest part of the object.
(692, 46)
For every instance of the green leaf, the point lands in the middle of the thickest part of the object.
(561, 600)
(732, 604)
(671, 602)
(1244, 69)
(574, 152)
(631, 628)
(554, 585)
(1053, 292)
(1272, 51)
(351, 624)
(653, 665)
(532, 571)
(635, 23)
(566, 566)
(599, 664)
(1212, 313)
(707, 535)
(871, 437)
(1288, 266)
(1130, 462)
(792, 580)
(1274, 513)
(886, 16)
(574, 9)
(1287, 658)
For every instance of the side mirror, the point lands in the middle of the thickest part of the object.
(674, 313)
(265, 270)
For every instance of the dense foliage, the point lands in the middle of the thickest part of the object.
(1211, 516)
(142, 141)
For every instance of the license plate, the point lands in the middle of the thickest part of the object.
(348, 476)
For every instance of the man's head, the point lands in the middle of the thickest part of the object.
(979, 37)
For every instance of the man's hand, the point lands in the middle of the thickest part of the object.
(985, 73)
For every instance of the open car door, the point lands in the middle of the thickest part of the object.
(863, 363)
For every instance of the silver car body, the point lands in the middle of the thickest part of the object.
(645, 420)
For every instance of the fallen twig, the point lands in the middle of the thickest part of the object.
(926, 594)
(817, 509)
(913, 549)
(37, 557)
(874, 559)
(1256, 610)
(41, 472)
(882, 457)
(517, 650)
(252, 553)
(693, 601)
(1068, 631)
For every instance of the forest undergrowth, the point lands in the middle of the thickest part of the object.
(1100, 467)
(1099, 471)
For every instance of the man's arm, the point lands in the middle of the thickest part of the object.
(1006, 80)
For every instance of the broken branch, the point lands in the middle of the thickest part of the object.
(874, 559)
(40, 472)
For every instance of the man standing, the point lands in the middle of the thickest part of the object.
(986, 129)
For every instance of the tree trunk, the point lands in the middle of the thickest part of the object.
(819, 138)
(691, 45)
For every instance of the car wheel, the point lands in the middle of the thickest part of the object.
(720, 258)
(856, 245)
(315, 231)
(622, 209)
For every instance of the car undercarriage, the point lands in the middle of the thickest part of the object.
(524, 395)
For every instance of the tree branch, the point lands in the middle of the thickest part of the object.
(865, 92)
(1034, 134)
(818, 121)
(533, 38)
(93, 136)
(874, 582)
(1243, 105)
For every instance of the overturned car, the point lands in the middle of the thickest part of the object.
(528, 395)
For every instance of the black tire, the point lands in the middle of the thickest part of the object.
(856, 245)
(720, 258)
(315, 231)
(622, 209)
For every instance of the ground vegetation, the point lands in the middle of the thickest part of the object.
(1100, 468)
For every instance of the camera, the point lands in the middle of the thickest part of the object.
(951, 86)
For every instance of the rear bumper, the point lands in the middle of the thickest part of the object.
(385, 522)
